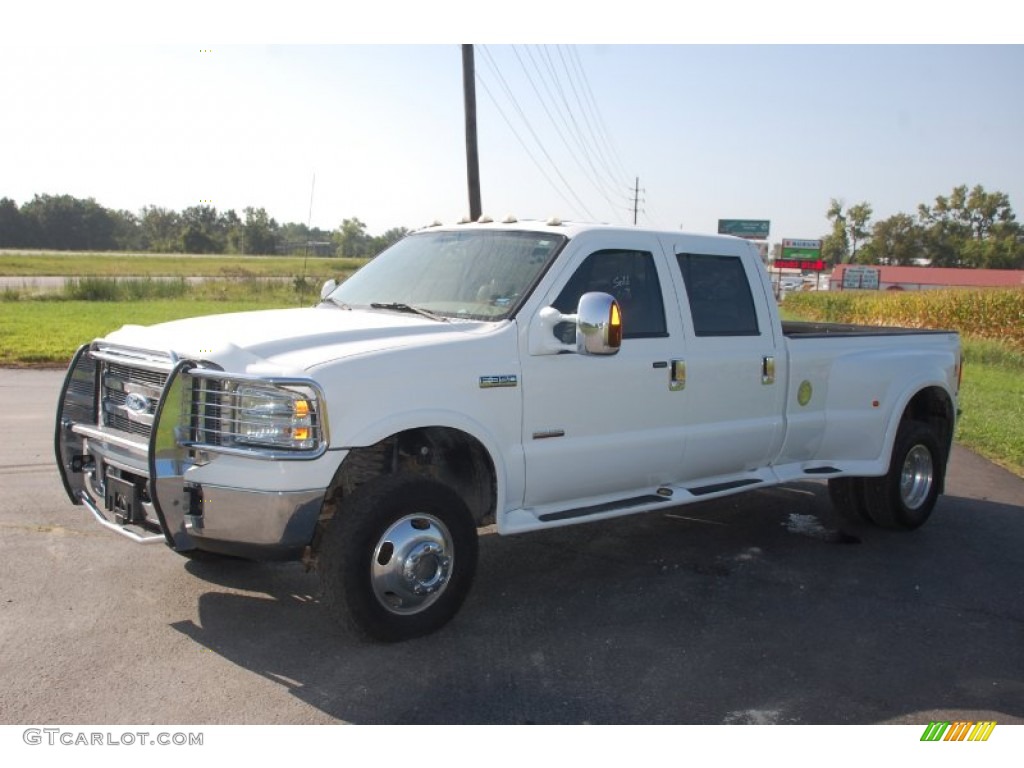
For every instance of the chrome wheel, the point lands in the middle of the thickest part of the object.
(412, 564)
(917, 477)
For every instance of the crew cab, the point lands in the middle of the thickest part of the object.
(523, 374)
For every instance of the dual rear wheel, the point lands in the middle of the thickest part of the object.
(905, 496)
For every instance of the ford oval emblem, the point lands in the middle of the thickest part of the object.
(136, 403)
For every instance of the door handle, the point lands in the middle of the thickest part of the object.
(677, 376)
(768, 369)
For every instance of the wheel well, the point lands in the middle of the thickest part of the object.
(450, 456)
(934, 407)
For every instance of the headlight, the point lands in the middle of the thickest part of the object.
(274, 417)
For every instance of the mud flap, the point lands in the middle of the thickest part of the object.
(169, 460)
(77, 404)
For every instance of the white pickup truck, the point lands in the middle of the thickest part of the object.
(521, 374)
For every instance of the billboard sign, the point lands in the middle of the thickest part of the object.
(801, 254)
(751, 229)
(863, 278)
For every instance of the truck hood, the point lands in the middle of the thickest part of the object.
(289, 340)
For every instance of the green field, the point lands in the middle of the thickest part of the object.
(47, 263)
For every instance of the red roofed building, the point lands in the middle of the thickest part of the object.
(924, 278)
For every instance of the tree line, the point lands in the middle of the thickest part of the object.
(967, 228)
(67, 223)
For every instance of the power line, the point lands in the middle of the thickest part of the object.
(536, 138)
(530, 154)
(594, 181)
(604, 133)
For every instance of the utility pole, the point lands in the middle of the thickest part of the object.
(636, 199)
(472, 158)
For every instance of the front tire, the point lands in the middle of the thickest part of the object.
(398, 559)
(905, 497)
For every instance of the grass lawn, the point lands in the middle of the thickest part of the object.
(46, 263)
(49, 332)
(992, 405)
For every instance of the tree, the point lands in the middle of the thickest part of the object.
(972, 229)
(13, 233)
(857, 217)
(67, 223)
(160, 230)
(351, 239)
(896, 241)
(259, 233)
(201, 230)
(835, 246)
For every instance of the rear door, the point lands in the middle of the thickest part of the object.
(735, 392)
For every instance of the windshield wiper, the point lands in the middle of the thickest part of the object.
(399, 307)
(337, 302)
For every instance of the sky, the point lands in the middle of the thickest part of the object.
(319, 119)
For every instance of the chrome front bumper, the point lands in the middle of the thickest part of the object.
(137, 484)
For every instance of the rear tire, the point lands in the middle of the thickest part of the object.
(847, 495)
(904, 497)
(398, 559)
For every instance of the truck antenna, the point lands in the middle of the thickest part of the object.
(309, 223)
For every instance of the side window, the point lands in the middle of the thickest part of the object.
(719, 292)
(629, 276)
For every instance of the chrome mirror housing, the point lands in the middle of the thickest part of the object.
(598, 325)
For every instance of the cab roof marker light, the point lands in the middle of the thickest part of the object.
(510, 219)
(485, 219)
(465, 220)
(554, 221)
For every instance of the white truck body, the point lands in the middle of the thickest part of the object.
(709, 394)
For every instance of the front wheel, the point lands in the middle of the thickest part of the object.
(398, 559)
(906, 495)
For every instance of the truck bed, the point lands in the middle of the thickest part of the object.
(793, 329)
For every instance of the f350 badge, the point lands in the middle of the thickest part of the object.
(504, 380)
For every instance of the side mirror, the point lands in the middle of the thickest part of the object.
(598, 325)
(325, 291)
(598, 322)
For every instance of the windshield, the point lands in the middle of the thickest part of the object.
(472, 275)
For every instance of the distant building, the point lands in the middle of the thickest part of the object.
(921, 278)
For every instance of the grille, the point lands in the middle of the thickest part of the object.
(129, 397)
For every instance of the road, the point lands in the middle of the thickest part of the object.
(748, 610)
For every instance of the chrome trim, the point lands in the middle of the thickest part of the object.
(150, 539)
(677, 376)
(256, 452)
(283, 518)
(104, 435)
(152, 360)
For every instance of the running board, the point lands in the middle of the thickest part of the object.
(704, 490)
(568, 514)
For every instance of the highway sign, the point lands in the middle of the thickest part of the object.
(751, 229)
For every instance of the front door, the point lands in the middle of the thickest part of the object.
(609, 424)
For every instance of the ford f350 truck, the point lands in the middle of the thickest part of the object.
(522, 374)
